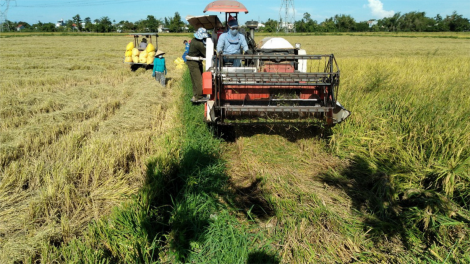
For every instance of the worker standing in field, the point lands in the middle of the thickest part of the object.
(143, 44)
(197, 51)
(159, 67)
(232, 42)
(186, 49)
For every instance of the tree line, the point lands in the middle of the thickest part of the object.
(408, 22)
(105, 24)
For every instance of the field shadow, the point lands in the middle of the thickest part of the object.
(196, 201)
(180, 224)
(167, 80)
(251, 200)
(386, 210)
(259, 257)
(135, 67)
(196, 180)
(291, 132)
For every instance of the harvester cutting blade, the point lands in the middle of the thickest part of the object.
(340, 114)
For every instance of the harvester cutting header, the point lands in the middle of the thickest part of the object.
(271, 81)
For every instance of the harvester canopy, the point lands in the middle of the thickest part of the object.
(208, 22)
(229, 6)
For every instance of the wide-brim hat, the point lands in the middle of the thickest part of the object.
(201, 33)
(159, 52)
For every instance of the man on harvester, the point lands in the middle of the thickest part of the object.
(232, 42)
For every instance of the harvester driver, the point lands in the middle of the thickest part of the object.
(196, 53)
(231, 42)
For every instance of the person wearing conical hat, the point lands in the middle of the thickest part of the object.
(159, 67)
(197, 49)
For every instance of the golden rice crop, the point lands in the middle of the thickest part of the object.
(76, 129)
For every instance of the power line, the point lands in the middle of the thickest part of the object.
(5, 5)
(82, 3)
(287, 10)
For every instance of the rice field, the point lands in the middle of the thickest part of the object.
(77, 128)
(101, 164)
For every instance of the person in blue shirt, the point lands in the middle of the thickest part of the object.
(232, 42)
(186, 49)
(159, 67)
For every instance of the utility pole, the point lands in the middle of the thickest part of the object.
(286, 16)
(4, 6)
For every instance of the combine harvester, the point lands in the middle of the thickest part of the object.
(277, 83)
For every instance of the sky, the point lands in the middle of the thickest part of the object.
(32, 11)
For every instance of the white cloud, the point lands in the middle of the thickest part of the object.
(377, 9)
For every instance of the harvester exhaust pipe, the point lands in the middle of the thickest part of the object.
(252, 25)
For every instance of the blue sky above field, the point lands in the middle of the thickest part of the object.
(32, 11)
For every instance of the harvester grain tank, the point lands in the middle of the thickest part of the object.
(277, 83)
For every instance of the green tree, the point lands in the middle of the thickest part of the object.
(270, 26)
(303, 24)
(441, 24)
(37, 26)
(9, 25)
(457, 22)
(176, 25)
(167, 22)
(44, 27)
(390, 23)
(307, 17)
(344, 23)
(328, 25)
(300, 26)
(312, 26)
(128, 26)
(152, 23)
(68, 25)
(89, 27)
(78, 21)
(416, 21)
(104, 25)
(190, 28)
(362, 26)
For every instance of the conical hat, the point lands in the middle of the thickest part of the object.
(159, 52)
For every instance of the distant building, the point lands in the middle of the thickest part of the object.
(19, 27)
(162, 29)
(372, 23)
(60, 23)
(287, 25)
